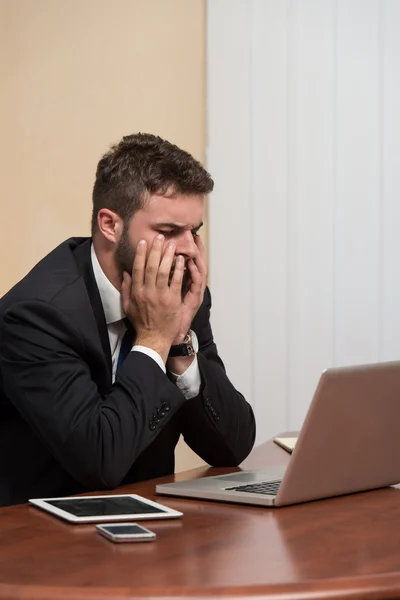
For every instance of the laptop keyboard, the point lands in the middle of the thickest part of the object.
(264, 487)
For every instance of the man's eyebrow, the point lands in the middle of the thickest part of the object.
(178, 225)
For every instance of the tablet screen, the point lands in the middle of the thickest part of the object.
(107, 506)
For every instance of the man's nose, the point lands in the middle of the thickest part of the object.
(186, 246)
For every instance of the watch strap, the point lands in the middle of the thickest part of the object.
(184, 349)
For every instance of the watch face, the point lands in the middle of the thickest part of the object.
(195, 341)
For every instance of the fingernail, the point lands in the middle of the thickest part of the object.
(142, 243)
(160, 237)
(171, 245)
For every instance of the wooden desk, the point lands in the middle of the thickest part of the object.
(345, 547)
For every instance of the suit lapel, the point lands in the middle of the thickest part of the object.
(83, 258)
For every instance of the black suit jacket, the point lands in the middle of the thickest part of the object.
(64, 427)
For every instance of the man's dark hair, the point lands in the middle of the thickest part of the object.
(143, 164)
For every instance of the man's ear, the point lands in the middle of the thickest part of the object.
(110, 225)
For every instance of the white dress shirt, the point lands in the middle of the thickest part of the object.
(189, 382)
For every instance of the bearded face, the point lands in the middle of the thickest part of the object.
(125, 255)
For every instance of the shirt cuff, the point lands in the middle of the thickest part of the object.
(189, 382)
(152, 353)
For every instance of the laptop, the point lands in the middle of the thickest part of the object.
(349, 442)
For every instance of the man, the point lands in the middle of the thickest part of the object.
(106, 349)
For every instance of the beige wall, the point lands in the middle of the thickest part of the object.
(77, 75)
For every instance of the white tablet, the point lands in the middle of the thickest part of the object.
(91, 509)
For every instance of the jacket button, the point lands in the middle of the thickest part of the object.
(152, 426)
(165, 406)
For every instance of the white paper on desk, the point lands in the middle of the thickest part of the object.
(287, 443)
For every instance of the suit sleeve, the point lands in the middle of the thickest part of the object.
(218, 424)
(46, 375)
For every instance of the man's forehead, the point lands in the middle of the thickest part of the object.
(180, 210)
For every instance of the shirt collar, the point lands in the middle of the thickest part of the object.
(110, 296)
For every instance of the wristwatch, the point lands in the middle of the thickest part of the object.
(189, 346)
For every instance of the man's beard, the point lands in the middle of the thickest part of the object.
(125, 255)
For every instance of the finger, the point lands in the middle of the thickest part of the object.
(201, 258)
(199, 243)
(201, 265)
(164, 270)
(202, 268)
(177, 277)
(139, 264)
(196, 277)
(153, 260)
(126, 287)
